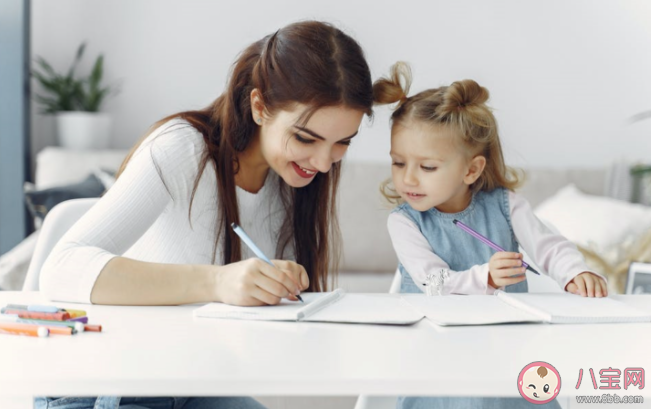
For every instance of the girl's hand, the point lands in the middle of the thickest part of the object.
(587, 284)
(255, 282)
(502, 266)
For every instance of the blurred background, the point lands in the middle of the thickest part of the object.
(565, 78)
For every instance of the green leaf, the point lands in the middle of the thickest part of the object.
(96, 74)
(70, 92)
(46, 67)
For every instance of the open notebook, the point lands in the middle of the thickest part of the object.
(503, 308)
(335, 306)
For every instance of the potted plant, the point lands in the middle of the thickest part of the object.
(76, 102)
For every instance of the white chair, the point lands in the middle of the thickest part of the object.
(57, 222)
(381, 402)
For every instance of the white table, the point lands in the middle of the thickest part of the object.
(165, 351)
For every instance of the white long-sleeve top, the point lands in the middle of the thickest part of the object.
(553, 253)
(144, 216)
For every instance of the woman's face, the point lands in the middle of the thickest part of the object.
(297, 151)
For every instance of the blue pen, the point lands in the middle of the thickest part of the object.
(247, 240)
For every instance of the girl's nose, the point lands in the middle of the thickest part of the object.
(410, 178)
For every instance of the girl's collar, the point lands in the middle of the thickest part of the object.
(434, 211)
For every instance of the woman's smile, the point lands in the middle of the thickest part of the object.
(302, 172)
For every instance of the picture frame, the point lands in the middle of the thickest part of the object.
(638, 280)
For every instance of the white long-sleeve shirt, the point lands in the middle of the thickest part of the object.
(144, 216)
(553, 253)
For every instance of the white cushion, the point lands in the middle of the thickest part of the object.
(15, 262)
(594, 221)
(58, 166)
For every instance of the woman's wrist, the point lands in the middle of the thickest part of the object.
(208, 287)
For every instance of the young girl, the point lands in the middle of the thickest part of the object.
(265, 154)
(447, 164)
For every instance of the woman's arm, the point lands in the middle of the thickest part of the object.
(124, 281)
(87, 264)
(419, 259)
(122, 216)
(248, 282)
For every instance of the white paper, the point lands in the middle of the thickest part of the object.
(467, 310)
(566, 308)
(336, 306)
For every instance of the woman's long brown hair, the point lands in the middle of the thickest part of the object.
(311, 63)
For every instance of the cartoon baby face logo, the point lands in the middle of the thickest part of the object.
(539, 382)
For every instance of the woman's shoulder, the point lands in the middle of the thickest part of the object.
(176, 133)
(174, 143)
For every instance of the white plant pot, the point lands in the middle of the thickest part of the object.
(83, 130)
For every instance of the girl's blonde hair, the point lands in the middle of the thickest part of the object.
(461, 106)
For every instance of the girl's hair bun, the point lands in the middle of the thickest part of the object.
(396, 87)
(463, 94)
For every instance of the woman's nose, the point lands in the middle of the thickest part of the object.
(322, 161)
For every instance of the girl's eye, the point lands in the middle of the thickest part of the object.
(428, 168)
(346, 142)
(303, 140)
(398, 164)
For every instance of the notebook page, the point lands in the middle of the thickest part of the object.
(316, 306)
(285, 311)
(467, 310)
(566, 308)
(368, 309)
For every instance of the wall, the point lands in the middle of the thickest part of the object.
(14, 121)
(564, 75)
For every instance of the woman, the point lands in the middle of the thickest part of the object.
(265, 154)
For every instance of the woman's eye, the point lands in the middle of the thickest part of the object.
(428, 168)
(398, 164)
(303, 140)
(346, 142)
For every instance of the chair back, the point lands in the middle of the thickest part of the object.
(56, 223)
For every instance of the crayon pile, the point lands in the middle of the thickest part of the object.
(43, 320)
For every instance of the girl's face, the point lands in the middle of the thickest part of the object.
(429, 169)
(296, 151)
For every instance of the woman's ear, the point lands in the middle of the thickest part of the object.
(475, 168)
(257, 106)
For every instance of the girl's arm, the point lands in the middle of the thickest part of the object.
(419, 259)
(553, 253)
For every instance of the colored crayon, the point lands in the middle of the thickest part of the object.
(57, 316)
(43, 308)
(75, 313)
(23, 329)
(15, 307)
(55, 327)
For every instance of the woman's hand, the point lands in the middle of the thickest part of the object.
(502, 266)
(255, 282)
(587, 284)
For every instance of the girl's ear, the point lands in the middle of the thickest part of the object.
(257, 106)
(475, 168)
